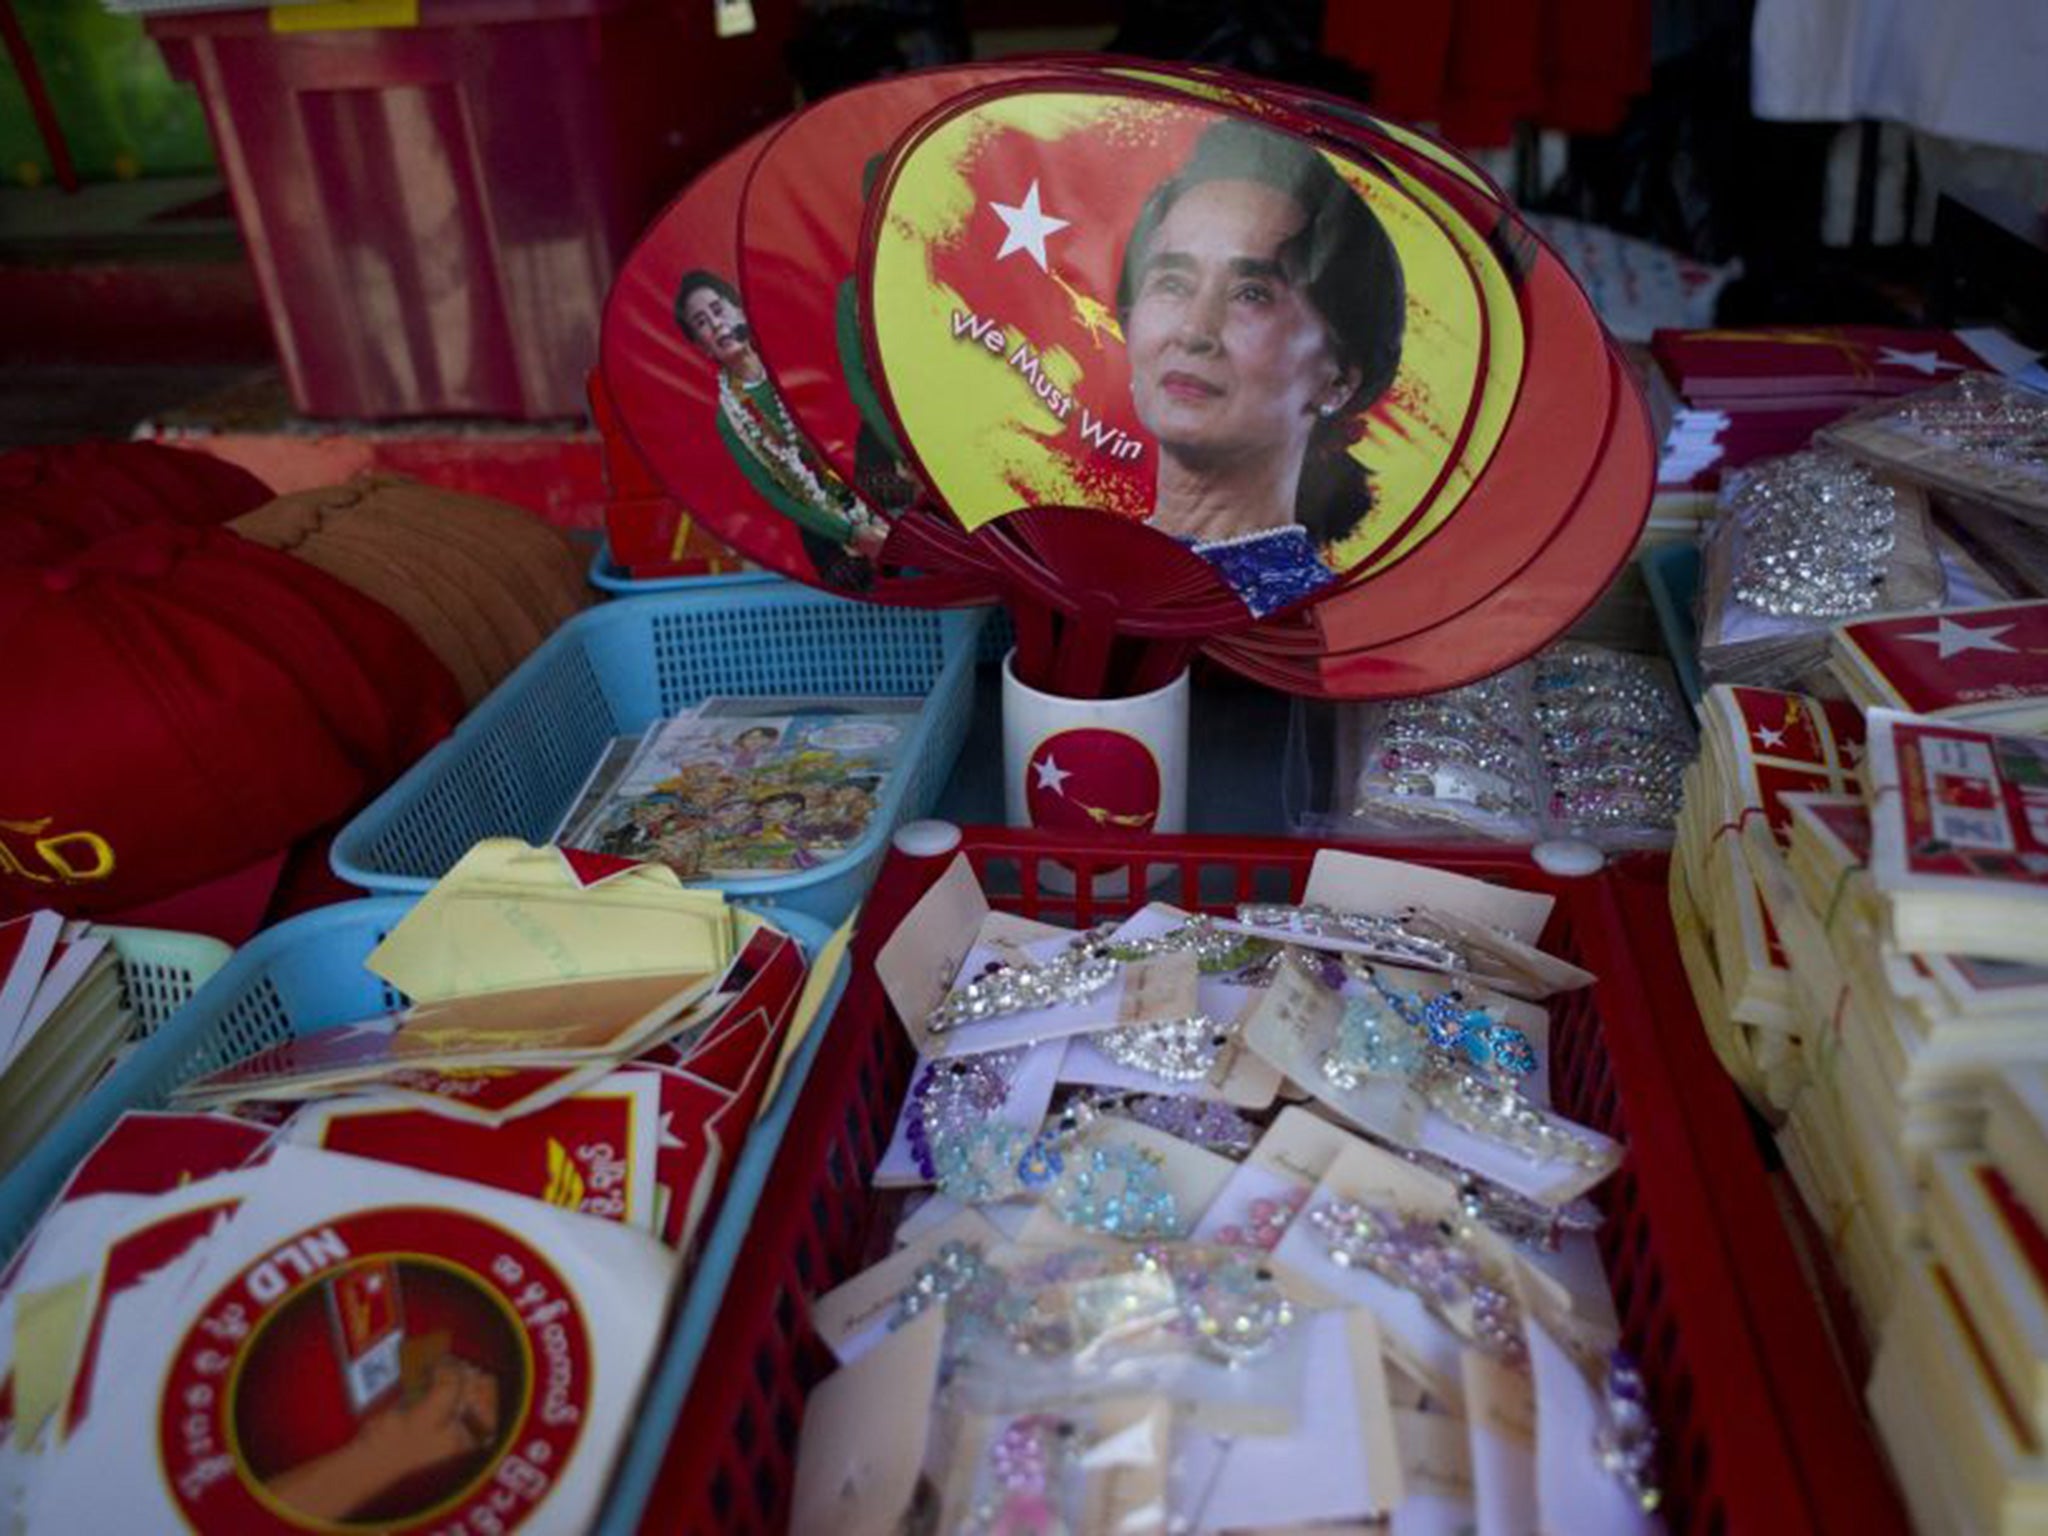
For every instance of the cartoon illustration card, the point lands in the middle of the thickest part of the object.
(740, 788)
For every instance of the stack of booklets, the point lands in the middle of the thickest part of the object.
(1757, 392)
(1960, 1386)
(1802, 368)
(410, 1272)
(1909, 911)
(741, 788)
(1757, 745)
(1980, 664)
(63, 1017)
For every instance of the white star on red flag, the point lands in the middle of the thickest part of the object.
(1026, 225)
(1953, 638)
(1929, 363)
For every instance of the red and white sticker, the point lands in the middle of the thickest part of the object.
(265, 1423)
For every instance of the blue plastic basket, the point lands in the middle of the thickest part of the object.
(307, 974)
(1672, 573)
(513, 767)
(612, 578)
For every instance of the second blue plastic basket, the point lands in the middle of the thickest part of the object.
(513, 767)
(613, 579)
(307, 974)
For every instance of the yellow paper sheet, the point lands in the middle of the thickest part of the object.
(511, 916)
(48, 1328)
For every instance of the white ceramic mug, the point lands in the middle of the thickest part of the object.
(1095, 767)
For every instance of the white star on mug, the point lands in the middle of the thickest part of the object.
(1026, 225)
(1052, 776)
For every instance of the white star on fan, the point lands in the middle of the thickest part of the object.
(1852, 753)
(1769, 736)
(1026, 225)
(1954, 639)
(1052, 776)
(1928, 363)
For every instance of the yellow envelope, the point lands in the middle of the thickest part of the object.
(509, 915)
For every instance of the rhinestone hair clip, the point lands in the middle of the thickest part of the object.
(1205, 1122)
(1008, 989)
(1225, 1302)
(1627, 1439)
(1471, 1098)
(1217, 951)
(1117, 1189)
(1026, 1464)
(1816, 531)
(1176, 1050)
(954, 1096)
(1390, 938)
(1429, 1259)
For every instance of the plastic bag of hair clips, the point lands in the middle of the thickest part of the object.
(1098, 1466)
(1205, 1326)
(1456, 764)
(1582, 741)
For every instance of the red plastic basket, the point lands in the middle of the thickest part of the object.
(1761, 1431)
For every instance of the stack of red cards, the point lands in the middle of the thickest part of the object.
(1824, 366)
(62, 1019)
(405, 1271)
(1755, 392)
(1163, 359)
(1982, 664)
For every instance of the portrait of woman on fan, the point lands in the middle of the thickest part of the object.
(840, 532)
(1262, 305)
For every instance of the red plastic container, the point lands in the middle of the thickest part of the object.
(1761, 1432)
(435, 211)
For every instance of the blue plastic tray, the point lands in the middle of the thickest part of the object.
(611, 578)
(513, 767)
(307, 974)
(1672, 573)
(997, 636)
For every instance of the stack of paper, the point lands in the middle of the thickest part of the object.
(1961, 1384)
(411, 1269)
(1756, 746)
(1917, 1131)
(1980, 664)
(63, 1017)
(1838, 366)
(1901, 1032)
(297, 1340)
(1959, 824)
